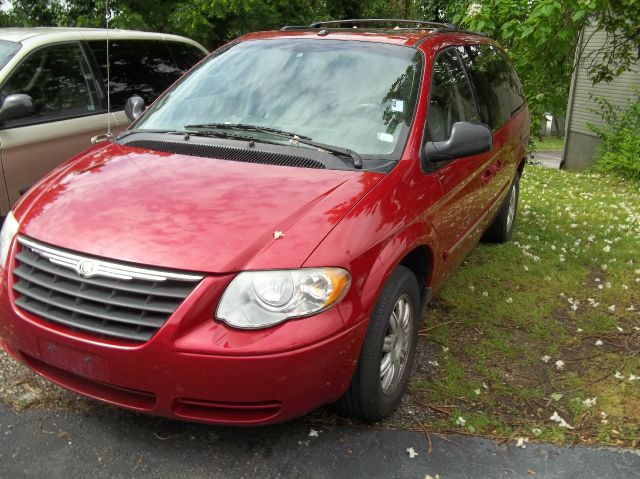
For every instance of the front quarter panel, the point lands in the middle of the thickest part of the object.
(388, 223)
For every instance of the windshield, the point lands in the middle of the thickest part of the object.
(7, 51)
(355, 95)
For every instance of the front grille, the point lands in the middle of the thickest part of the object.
(95, 296)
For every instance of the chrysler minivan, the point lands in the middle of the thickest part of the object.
(53, 92)
(265, 237)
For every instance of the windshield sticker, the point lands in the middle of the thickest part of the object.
(397, 105)
(385, 137)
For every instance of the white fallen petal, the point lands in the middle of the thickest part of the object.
(521, 442)
(599, 342)
(461, 421)
(561, 422)
(559, 364)
(313, 433)
(589, 402)
(278, 234)
(633, 377)
(546, 358)
(412, 452)
(618, 375)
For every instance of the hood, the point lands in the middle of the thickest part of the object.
(189, 213)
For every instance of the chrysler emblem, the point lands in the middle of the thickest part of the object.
(85, 268)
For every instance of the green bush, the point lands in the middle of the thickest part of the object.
(620, 147)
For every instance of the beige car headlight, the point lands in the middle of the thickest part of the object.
(259, 299)
(7, 233)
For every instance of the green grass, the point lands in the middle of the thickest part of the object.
(546, 144)
(570, 279)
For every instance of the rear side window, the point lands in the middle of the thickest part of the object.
(137, 67)
(185, 55)
(450, 98)
(58, 79)
(497, 87)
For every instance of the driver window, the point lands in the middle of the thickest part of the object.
(58, 80)
(450, 99)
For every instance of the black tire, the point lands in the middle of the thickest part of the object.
(365, 397)
(501, 230)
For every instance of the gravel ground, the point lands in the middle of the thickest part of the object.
(22, 389)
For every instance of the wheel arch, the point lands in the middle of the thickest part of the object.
(420, 262)
(413, 248)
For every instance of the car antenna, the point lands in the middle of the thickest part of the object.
(107, 135)
(107, 15)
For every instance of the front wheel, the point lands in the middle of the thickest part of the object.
(386, 359)
(501, 230)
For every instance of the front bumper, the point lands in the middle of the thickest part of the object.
(195, 368)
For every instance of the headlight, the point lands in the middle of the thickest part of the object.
(7, 233)
(258, 299)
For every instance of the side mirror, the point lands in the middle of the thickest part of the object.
(134, 107)
(15, 106)
(466, 139)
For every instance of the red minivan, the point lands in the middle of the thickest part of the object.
(265, 237)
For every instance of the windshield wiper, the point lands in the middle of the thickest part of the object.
(187, 134)
(247, 127)
(292, 137)
(336, 150)
(126, 133)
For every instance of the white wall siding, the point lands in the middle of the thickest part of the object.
(617, 92)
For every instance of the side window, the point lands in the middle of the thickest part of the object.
(137, 67)
(451, 98)
(517, 93)
(185, 55)
(58, 80)
(497, 87)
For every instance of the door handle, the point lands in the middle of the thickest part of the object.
(100, 138)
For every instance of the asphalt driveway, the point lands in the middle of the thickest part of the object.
(110, 443)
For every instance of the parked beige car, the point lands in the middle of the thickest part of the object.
(53, 93)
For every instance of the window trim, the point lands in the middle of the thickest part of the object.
(427, 166)
(501, 53)
(53, 119)
(48, 120)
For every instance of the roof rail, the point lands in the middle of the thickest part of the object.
(358, 21)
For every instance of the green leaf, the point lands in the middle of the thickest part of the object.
(579, 15)
(547, 10)
(527, 30)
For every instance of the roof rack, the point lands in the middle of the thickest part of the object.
(358, 21)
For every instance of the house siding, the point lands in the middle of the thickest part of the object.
(581, 142)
